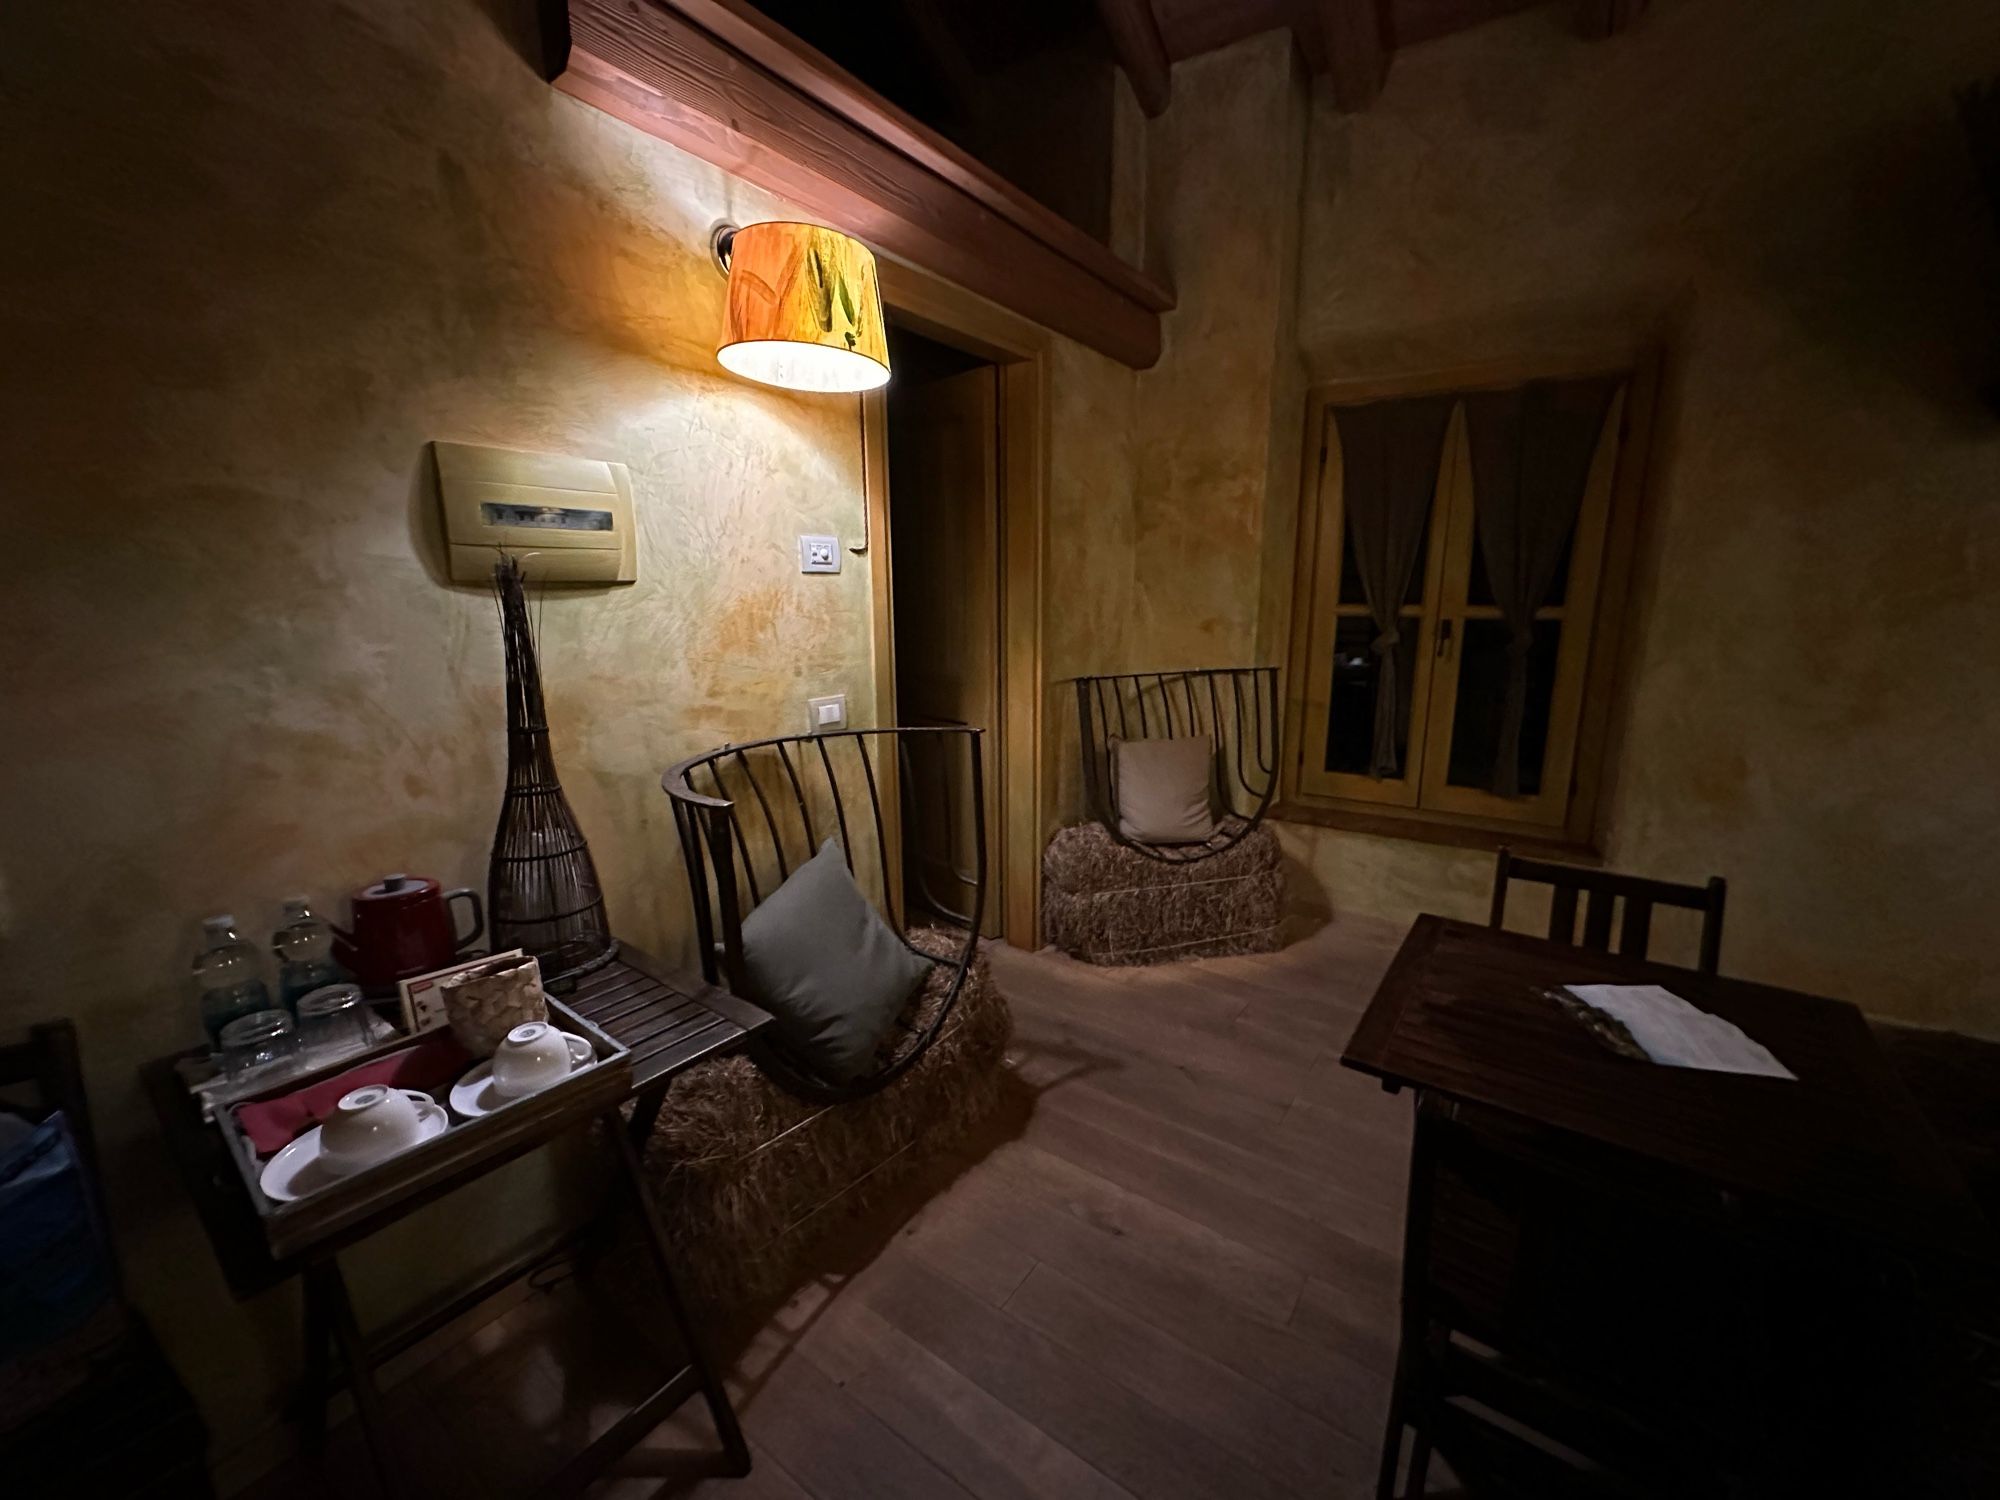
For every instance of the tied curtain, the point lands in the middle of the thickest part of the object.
(1389, 452)
(1531, 452)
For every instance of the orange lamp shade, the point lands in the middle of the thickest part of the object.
(805, 311)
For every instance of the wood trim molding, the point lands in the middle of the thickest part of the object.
(1024, 483)
(784, 118)
(1417, 827)
(875, 497)
(1026, 744)
(882, 627)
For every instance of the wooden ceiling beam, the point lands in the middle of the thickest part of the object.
(1354, 50)
(648, 64)
(742, 28)
(1136, 43)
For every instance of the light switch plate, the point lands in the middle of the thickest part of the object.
(819, 554)
(823, 714)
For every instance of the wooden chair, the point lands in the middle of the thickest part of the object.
(1237, 707)
(129, 1428)
(1579, 1321)
(748, 815)
(1507, 1317)
(1603, 887)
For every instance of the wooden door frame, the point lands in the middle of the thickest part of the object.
(1015, 750)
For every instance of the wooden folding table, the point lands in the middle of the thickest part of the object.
(667, 1023)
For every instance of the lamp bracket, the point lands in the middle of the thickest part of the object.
(720, 239)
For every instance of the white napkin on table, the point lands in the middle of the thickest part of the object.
(1671, 1031)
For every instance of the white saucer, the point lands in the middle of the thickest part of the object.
(298, 1171)
(475, 1094)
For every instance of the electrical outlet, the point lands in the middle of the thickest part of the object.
(819, 554)
(823, 714)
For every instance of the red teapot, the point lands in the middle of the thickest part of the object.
(403, 927)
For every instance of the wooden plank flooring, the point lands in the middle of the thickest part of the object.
(1170, 1271)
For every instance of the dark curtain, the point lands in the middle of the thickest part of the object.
(1531, 452)
(1389, 467)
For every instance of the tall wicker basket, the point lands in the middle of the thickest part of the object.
(542, 893)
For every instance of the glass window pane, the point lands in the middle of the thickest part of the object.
(1482, 690)
(1350, 720)
(1479, 588)
(1350, 576)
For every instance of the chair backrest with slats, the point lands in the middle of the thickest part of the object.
(749, 815)
(1236, 707)
(1603, 889)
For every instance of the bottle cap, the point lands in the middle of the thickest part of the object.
(218, 924)
(298, 906)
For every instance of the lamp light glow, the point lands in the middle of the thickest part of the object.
(804, 310)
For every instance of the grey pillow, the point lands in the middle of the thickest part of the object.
(1163, 789)
(827, 967)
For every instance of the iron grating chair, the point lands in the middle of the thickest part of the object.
(1237, 707)
(748, 815)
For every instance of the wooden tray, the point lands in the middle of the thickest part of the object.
(466, 1149)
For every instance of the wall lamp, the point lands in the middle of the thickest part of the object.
(804, 309)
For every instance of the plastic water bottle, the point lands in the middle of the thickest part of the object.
(227, 977)
(304, 950)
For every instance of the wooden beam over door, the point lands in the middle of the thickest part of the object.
(716, 79)
(1135, 41)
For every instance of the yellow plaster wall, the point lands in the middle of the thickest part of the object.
(1812, 700)
(254, 257)
(1210, 432)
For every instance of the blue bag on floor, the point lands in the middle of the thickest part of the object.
(55, 1272)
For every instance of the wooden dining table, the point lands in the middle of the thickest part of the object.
(1842, 1154)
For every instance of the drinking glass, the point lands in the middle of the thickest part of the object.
(333, 1018)
(257, 1040)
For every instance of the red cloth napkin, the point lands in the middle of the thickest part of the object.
(273, 1124)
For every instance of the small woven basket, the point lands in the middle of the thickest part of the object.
(484, 1003)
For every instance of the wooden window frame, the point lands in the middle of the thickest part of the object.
(1564, 815)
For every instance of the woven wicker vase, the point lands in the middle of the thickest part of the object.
(542, 894)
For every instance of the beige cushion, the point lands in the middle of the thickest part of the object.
(1163, 789)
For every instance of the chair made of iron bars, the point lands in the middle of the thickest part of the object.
(1237, 707)
(750, 814)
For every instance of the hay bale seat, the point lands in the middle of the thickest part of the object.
(1107, 904)
(749, 1178)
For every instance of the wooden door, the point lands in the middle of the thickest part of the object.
(944, 508)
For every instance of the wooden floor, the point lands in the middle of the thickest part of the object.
(1170, 1271)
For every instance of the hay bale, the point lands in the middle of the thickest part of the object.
(1107, 904)
(749, 1179)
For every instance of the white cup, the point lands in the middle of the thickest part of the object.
(370, 1124)
(530, 1058)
